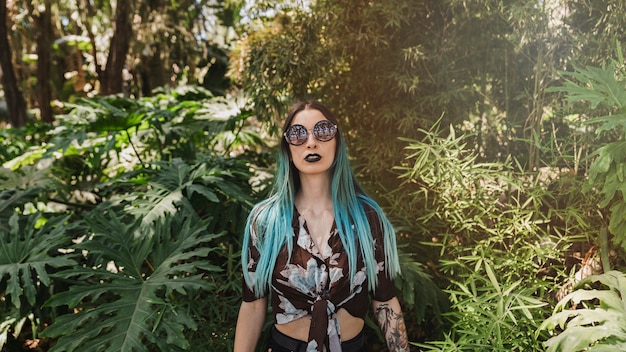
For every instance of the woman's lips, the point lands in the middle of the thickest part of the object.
(312, 158)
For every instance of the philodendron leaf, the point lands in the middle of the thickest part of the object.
(29, 251)
(602, 321)
(576, 339)
(124, 307)
(607, 299)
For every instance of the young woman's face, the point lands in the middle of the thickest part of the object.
(313, 156)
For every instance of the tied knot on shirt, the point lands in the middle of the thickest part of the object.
(322, 314)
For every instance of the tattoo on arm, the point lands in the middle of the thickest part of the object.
(392, 325)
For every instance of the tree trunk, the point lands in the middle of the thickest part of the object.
(88, 9)
(111, 81)
(15, 100)
(44, 95)
(151, 70)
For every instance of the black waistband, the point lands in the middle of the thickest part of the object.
(291, 344)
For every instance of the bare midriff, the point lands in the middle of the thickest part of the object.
(299, 329)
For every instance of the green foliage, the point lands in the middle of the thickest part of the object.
(390, 68)
(419, 292)
(127, 224)
(594, 30)
(488, 315)
(11, 200)
(591, 318)
(173, 186)
(30, 254)
(493, 236)
(28, 251)
(174, 124)
(132, 294)
(603, 91)
(356, 57)
(497, 233)
(187, 40)
(14, 142)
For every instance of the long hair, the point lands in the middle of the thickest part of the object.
(269, 225)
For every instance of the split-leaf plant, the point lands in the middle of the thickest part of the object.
(598, 94)
(136, 291)
(123, 226)
(592, 317)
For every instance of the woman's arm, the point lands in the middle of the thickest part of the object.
(249, 324)
(391, 322)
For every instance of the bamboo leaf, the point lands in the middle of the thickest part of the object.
(492, 278)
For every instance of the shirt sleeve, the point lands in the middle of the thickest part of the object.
(385, 287)
(252, 252)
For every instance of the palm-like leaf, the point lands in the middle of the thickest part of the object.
(11, 199)
(419, 291)
(122, 308)
(604, 88)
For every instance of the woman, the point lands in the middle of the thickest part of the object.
(320, 246)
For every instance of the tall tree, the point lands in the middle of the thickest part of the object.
(84, 46)
(15, 100)
(43, 26)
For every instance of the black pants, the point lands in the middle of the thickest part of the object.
(280, 342)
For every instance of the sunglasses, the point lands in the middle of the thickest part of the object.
(323, 131)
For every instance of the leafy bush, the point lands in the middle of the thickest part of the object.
(14, 142)
(29, 257)
(487, 315)
(136, 291)
(122, 230)
(592, 318)
(498, 234)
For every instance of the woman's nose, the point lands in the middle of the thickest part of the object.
(311, 142)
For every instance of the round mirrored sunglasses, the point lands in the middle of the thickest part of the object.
(323, 131)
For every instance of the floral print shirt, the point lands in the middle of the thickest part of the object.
(316, 285)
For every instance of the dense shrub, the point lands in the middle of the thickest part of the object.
(122, 231)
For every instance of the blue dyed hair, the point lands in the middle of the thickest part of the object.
(269, 225)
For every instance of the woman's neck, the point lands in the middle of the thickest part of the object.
(314, 194)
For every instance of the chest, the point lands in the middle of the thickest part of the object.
(314, 268)
(319, 225)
